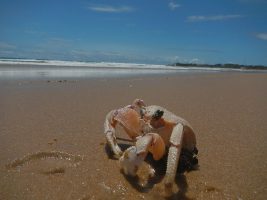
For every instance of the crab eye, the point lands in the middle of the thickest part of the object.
(158, 114)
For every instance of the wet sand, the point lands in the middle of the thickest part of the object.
(55, 131)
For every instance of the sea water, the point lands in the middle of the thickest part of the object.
(35, 69)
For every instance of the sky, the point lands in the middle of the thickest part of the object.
(138, 31)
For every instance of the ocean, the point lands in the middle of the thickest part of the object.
(37, 69)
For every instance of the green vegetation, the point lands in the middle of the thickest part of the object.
(227, 66)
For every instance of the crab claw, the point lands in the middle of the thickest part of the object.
(153, 143)
(133, 157)
(130, 120)
(130, 161)
(157, 147)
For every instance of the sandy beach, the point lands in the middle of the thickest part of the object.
(227, 110)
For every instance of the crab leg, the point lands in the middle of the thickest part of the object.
(109, 130)
(133, 157)
(173, 155)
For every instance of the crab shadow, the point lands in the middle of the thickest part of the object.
(160, 169)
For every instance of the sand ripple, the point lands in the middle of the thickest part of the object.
(43, 155)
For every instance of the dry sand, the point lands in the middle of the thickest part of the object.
(227, 110)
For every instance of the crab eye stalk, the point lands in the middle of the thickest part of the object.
(158, 114)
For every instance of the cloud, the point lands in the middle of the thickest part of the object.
(253, 1)
(201, 18)
(6, 49)
(188, 49)
(35, 32)
(93, 54)
(194, 61)
(172, 5)
(262, 36)
(6, 46)
(178, 59)
(53, 43)
(111, 9)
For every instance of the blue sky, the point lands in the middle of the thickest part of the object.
(142, 31)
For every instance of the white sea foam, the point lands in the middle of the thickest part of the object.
(85, 64)
(104, 65)
(11, 69)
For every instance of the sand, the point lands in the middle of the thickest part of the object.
(55, 131)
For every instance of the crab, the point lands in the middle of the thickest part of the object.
(154, 130)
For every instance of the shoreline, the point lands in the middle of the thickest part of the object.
(227, 110)
(26, 72)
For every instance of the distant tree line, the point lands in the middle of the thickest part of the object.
(227, 66)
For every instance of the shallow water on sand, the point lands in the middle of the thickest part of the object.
(64, 69)
(34, 69)
(57, 72)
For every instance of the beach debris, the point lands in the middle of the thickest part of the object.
(210, 189)
(153, 129)
(57, 170)
(105, 187)
(62, 81)
(52, 142)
